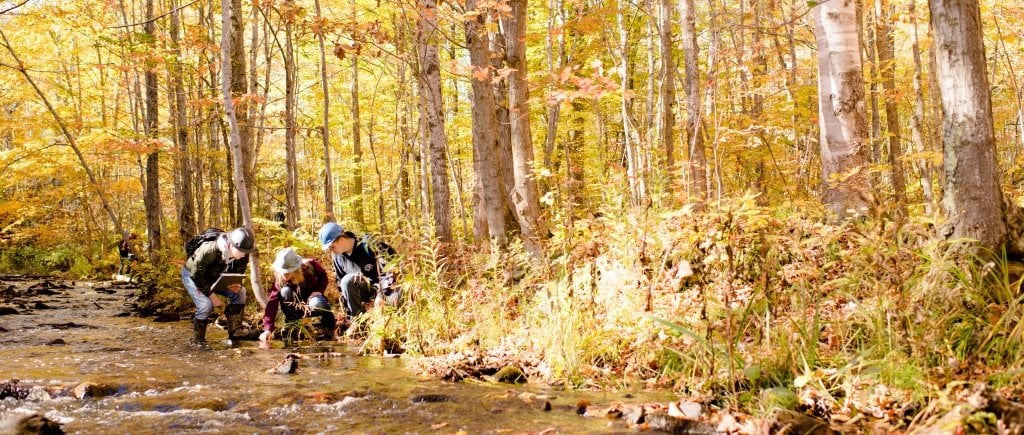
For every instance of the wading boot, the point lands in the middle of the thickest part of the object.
(233, 312)
(199, 332)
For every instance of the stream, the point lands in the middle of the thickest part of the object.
(60, 336)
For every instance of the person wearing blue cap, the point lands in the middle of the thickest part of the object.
(357, 269)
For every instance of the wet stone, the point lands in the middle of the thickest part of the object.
(42, 306)
(29, 424)
(430, 398)
(57, 342)
(510, 375)
(90, 389)
(8, 310)
(38, 394)
(659, 420)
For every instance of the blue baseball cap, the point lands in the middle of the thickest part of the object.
(329, 233)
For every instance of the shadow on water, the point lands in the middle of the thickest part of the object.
(152, 380)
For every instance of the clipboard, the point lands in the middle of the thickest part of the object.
(226, 279)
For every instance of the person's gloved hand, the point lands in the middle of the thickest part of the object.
(265, 336)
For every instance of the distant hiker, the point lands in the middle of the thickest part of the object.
(298, 290)
(357, 267)
(208, 256)
(126, 252)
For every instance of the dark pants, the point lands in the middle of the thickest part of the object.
(315, 306)
(355, 291)
(126, 265)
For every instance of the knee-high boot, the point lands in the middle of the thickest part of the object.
(199, 331)
(233, 312)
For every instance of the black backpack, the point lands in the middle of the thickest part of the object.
(209, 234)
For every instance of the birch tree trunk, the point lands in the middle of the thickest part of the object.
(972, 197)
(325, 131)
(694, 132)
(841, 109)
(433, 116)
(484, 128)
(631, 136)
(235, 142)
(526, 196)
(152, 123)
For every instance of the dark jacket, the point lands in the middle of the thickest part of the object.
(364, 256)
(315, 282)
(208, 262)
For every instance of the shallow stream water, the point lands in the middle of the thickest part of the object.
(159, 383)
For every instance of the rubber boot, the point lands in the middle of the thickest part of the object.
(233, 312)
(199, 332)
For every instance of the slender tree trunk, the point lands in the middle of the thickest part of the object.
(325, 130)
(291, 166)
(841, 108)
(152, 196)
(504, 132)
(886, 59)
(235, 142)
(240, 88)
(631, 136)
(484, 128)
(667, 91)
(526, 196)
(433, 109)
(972, 197)
(917, 120)
(694, 131)
(186, 208)
(357, 146)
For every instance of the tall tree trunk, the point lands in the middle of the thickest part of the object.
(667, 90)
(972, 197)
(917, 120)
(841, 108)
(291, 166)
(357, 147)
(325, 130)
(152, 196)
(630, 129)
(694, 130)
(886, 66)
(484, 127)
(235, 142)
(503, 137)
(526, 196)
(186, 206)
(433, 109)
(240, 88)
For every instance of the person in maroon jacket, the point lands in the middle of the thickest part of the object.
(298, 291)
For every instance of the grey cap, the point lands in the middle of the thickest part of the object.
(287, 260)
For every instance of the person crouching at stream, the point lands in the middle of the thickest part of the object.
(225, 253)
(298, 290)
(358, 269)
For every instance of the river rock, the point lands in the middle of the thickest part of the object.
(659, 420)
(430, 398)
(510, 375)
(39, 394)
(90, 389)
(57, 342)
(8, 310)
(29, 424)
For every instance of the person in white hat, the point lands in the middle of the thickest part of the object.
(298, 291)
